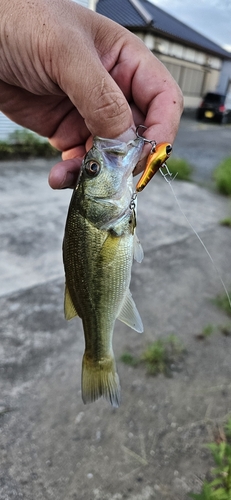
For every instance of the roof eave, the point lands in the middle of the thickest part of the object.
(149, 28)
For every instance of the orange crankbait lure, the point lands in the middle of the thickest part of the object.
(156, 158)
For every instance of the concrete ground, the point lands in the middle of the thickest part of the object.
(52, 446)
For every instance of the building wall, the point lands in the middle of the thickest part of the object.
(6, 127)
(195, 72)
(84, 3)
(224, 84)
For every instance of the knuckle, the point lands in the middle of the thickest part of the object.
(111, 112)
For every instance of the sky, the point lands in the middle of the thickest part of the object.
(212, 18)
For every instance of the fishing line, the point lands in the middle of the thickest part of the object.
(166, 175)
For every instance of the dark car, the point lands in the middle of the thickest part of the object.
(216, 107)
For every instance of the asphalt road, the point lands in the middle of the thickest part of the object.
(51, 445)
(204, 145)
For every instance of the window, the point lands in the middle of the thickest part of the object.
(189, 79)
(174, 69)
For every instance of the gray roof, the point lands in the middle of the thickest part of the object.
(141, 14)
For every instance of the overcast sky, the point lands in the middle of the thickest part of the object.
(212, 18)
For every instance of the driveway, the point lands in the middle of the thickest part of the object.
(52, 446)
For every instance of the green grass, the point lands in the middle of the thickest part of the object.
(225, 330)
(158, 356)
(222, 177)
(128, 359)
(25, 144)
(226, 222)
(205, 333)
(180, 168)
(219, 488)
(161, 354)
(222, 302)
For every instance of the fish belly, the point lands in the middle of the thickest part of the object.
(98, 271)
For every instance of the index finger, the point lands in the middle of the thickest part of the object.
(147, 83)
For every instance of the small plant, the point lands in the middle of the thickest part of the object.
(161, 354)
(129, 359)
(219, 488)
(222, 176)
(226, 330)
(206, 332)
(180, 168)
(155, 357)
(222, 302)
(226, 222)
(24, 144)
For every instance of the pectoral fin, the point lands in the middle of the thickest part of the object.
(129, 314)
(110, 249)
(69, 308)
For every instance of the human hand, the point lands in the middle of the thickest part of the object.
(69, 74)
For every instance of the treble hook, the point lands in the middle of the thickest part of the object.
(153, 143)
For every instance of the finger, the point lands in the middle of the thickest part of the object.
(65, 174)
(91, 89)
(153, 90)
(51, 116)
(76, 152)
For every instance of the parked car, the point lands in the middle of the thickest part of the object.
(216, 107)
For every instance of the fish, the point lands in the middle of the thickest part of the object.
(155, 161)
(99, 244)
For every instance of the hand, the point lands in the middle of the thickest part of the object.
(70, 74)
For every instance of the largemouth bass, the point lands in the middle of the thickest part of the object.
(98, 248)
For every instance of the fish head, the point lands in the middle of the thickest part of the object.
(107, 168)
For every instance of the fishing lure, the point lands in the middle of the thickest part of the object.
(156, 159)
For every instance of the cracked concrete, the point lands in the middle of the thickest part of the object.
(52, 446)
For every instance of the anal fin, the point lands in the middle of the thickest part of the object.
(130, 315)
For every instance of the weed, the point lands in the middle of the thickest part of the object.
(180, 168)
(222, 302)
(219, 488)
(159, 356)
(24, 144)
(155, 357)
(129, 359)
(225, 330)
(222, 176)
(206, 332)
(226, 222)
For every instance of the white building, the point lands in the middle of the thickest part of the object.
(198, 64)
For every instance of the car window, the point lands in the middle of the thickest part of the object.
(214, 98)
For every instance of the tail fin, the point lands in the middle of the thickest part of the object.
(99, 378)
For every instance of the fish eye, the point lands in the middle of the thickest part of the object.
(92, 168)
